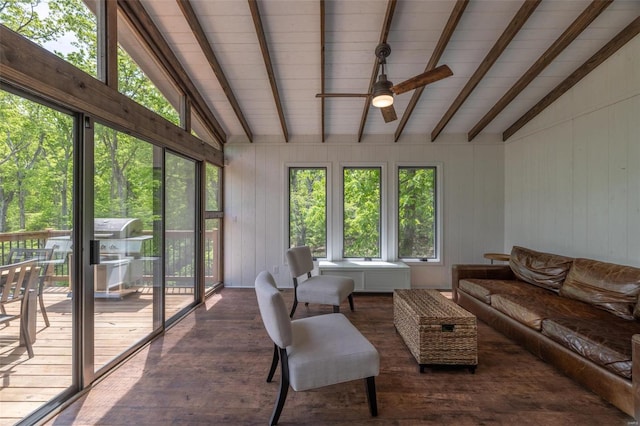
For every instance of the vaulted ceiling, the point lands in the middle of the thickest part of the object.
(259, 65)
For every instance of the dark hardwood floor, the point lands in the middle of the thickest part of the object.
(211, 367)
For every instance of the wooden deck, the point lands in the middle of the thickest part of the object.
(26, 384)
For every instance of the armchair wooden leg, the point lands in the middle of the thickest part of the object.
(274, 363)
(351, 302)
(293, 308)
(284, 388)
(41, 300)
(371, 395)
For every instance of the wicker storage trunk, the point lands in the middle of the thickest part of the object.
(435, 329)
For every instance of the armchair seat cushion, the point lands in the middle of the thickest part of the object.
(328, 349)
(325, 289)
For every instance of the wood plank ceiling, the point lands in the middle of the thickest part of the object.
(259, 64)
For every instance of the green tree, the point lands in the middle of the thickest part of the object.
(361, 212)
(308, 209)
(416, 212)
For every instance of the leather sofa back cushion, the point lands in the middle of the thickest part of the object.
(545, 270)
(611, 287)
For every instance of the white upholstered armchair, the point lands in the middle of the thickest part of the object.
(314, 352)
(323, 289)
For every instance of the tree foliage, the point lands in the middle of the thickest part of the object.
(362, 211)
(36, 152)
(308, 209)
(362, 206)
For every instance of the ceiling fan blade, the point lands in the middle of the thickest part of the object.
(389, 114)
(423, 79)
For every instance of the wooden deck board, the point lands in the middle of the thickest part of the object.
(26, 384)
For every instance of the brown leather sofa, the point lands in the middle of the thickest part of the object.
(581, 315)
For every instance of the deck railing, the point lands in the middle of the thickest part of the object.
(178, 260)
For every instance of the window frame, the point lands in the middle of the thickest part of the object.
(438, 246)
(328, 204)
(384, 234)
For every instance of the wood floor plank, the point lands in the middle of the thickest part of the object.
(210, 368)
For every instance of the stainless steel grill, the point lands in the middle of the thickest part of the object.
(121, 267)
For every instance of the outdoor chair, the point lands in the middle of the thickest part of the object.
(17, 281)
(314, 352)
(323, 289)
(43, 256)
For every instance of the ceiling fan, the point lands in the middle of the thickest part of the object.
(383, 90)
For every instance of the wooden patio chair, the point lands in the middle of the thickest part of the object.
(43, 256)
(17, 280)
(314, 352)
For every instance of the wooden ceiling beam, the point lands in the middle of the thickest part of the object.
(205, 45)
(322, 63)
(27, 66)
(516, 24)
(264, 47)
(574, 30)
(386, 27)
(143, 24)
(447, 32)
(624, 36)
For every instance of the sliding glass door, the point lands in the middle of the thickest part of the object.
(126, 242)
(180, 217)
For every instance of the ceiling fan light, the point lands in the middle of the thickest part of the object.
(382, 101)
(382, 96)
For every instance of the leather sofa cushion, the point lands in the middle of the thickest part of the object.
(535, 307)
(482, 289)
(606, 342)
(545, 270)
(611, 287)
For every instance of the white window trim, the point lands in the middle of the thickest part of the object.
(338, 219)
(329, 207)
(439, 260)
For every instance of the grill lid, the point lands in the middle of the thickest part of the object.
(117, 227)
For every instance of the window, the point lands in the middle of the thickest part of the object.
(361, 213)
(213, 226)
(66, 28)
(417, 213)
(308, 208)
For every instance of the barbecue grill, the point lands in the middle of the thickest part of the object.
(121, 267)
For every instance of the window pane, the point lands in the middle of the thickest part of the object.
(212, 189)
(134, 83)
(66, 28)
(308, 209)
(417, 212)
(361, 221)
(212, 256)
(36, 196)
(180, 219)
(140, 76)
(126, 213)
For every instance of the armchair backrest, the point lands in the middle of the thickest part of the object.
(300, 261)
(21, 253)
(17, 279)
(273, 310)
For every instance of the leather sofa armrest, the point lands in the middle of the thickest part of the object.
(461, 272)
(635, 374)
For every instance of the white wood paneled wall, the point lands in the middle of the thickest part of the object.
(256, 196)
(572, 175)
